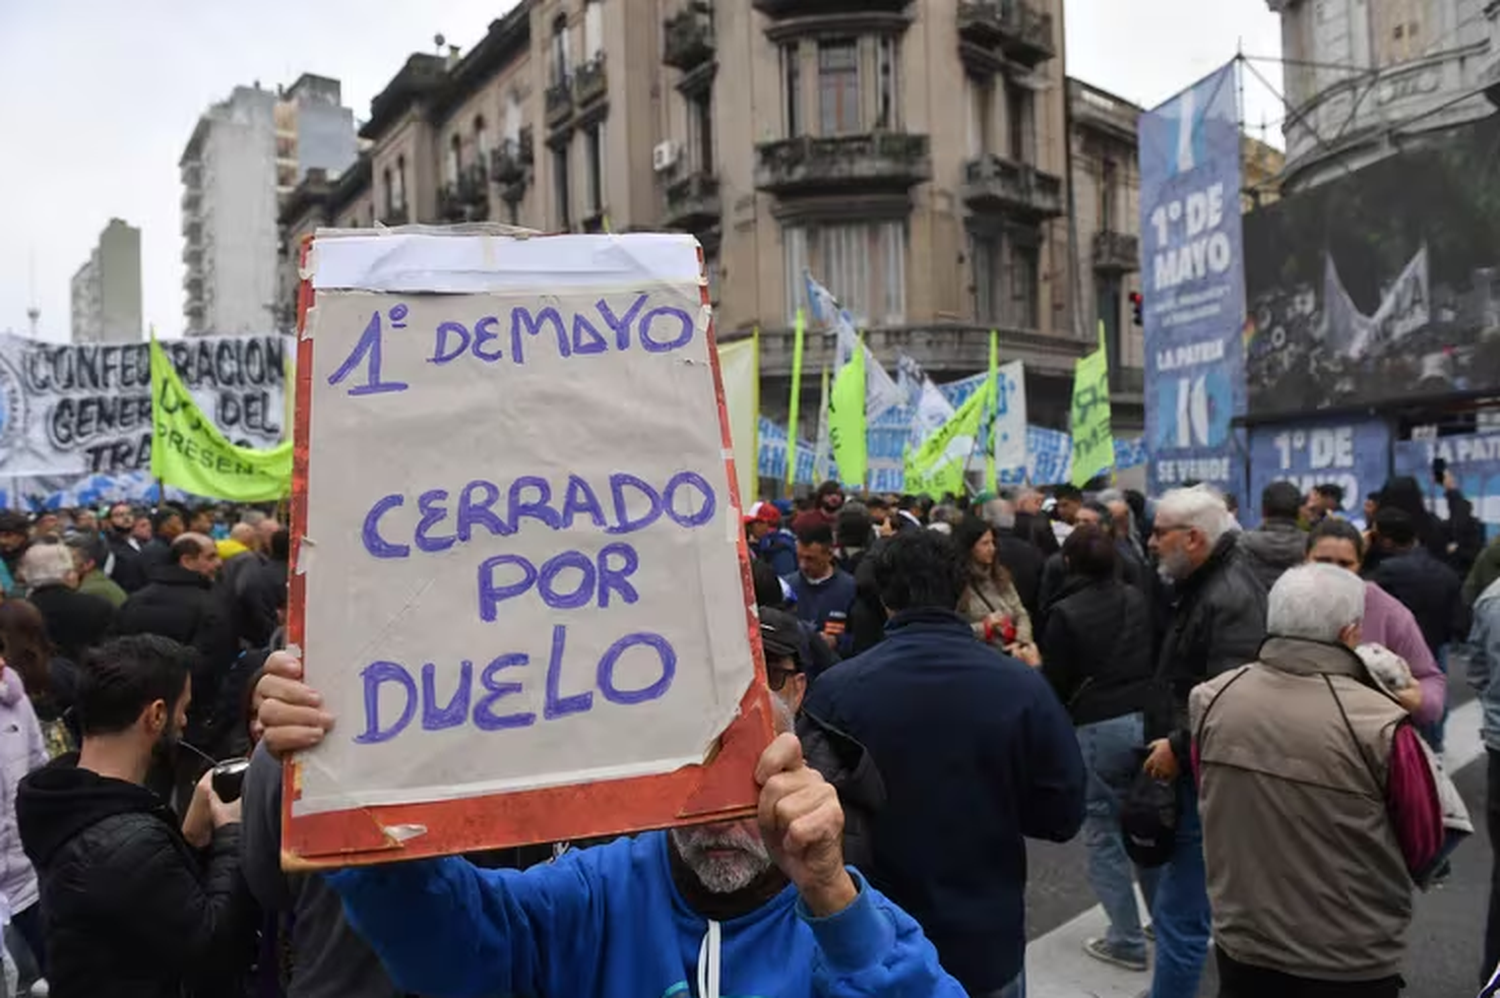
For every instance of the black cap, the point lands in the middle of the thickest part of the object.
(781, 635)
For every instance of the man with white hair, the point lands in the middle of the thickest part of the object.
(76, 622)
(1217, 622)
(1303, 749)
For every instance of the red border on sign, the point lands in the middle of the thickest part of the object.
(721, 789)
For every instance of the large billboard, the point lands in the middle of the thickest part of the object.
(1381, 285)
(1193, 281)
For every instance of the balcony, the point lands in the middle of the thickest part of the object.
(510, 166)
(779, 9)
(875, 160)
(467, 199)
(559, 103)
(689, 37)
(996, 185)
(693, 203)
(589, 82)
(1116, 252)
(1014, 27)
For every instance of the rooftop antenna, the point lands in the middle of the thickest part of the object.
(33, 313)
(439, 41)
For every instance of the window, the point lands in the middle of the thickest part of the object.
(1108, 304)
(594, 139)
(889, 64)
(593, 29)
(1109, 178)
(864, 265)
(454, 164)
(981, 117)
(984, 258)
(701, 132)
(400, 183)
(561, 190)
(1024, 290)
(791, 70)
(560, 66)
(1018, 117)
(481, 141)
(838, 87)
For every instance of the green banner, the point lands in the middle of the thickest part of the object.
(846, 420)
(189, 452)
(794, 404)
(1093, 442)
(936, 468)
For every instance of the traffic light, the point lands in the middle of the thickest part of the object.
(1136, 301)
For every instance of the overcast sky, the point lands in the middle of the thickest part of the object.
(101, 96)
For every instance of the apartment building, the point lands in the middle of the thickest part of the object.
(245, 154)
(910, 154)
(1364, 77)
(106, 290)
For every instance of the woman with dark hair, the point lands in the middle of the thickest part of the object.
(49, 680)
(989, 601)
(1097, 654)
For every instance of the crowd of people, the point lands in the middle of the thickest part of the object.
(950, 680)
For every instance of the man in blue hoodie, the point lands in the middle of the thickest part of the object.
(976, 754)
(757, 907)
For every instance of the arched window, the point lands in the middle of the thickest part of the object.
(400, 183)
(481, 141)
(455, 158)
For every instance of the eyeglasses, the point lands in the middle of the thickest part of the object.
(776, 678)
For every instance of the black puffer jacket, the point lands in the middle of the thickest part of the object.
(131, 910)
(1431, 590)
(1277, 546)
(1096, 650)
(183, 605)
(1217, 623)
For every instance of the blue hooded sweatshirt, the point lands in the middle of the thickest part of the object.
(608, 922)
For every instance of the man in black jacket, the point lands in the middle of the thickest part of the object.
(75, 621)
(965, 738)
(1279, 543)
(133, 904)
(1218, 622)
(127, 568)
(181, 603)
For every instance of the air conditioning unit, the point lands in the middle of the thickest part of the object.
(664, 156)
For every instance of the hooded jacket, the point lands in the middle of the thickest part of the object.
(129, 908)
(22, 749)
(1277, 546)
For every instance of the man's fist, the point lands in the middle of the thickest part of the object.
(291, 712)
(802, 824)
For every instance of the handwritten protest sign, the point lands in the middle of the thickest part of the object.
(520, 579)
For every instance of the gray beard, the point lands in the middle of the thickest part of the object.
(722, 874)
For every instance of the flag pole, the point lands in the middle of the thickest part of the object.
(794, 404)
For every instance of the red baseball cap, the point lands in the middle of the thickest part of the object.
(763, 512)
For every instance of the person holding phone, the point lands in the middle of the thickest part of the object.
(825, 593)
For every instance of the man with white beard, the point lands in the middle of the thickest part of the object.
(761, 906)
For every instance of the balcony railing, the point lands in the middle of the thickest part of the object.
(559, 102)
(777, 9)
(994, 184)
(1116, 252)
(689, 37)
(1015, 27)
(468, 198)
(895, 160)
(589, 82)
(693, 203)
(510, 165)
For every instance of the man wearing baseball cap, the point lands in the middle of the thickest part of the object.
(768, 542)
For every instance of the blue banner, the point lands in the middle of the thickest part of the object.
(1474, 460)
(1352, 454)
(1193, 283)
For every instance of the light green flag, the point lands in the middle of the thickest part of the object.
(189, 452)
(936, 468)
(1093, 443)
(989, 418)
(846, 420)
(794, 404)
